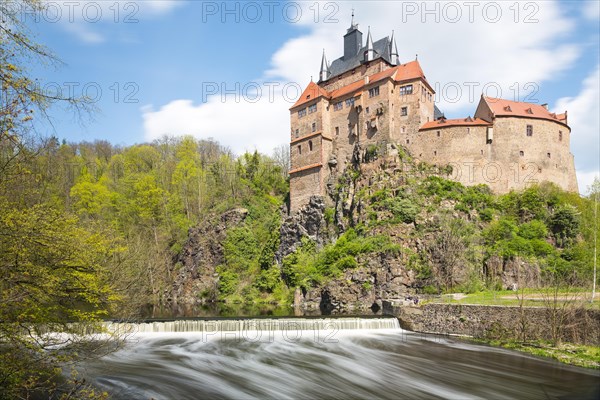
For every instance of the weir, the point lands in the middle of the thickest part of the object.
(259, 324)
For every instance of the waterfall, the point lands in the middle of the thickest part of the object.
(258, 324)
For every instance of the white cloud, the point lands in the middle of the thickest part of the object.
(92, 21)
(591, 10)
(584, 120)
(476, 52)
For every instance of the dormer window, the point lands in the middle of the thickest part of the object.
(507, 108)
(529, 111)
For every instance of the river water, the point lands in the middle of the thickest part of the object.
(348, 358)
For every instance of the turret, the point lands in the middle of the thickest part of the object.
(324, 73)
(394, 58)
(369, 52)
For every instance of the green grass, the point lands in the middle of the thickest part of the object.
(528, 297)
(572, 354)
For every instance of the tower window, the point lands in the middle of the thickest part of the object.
(529, 130)
(438, 133)
(521, 153)
(403, 129)
(314, 126)
(350, 102)
(374, 91)
(548, 155)
(435, 152)
(337, 131)
(297, 132)
(301, 113)
(367, 110)
(338, 106)
(406, 89)
(560, 136)
(299, 149)
(407, 141)
(310, 145)
(404, 111)
(312, 108)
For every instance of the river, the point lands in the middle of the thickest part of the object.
(345, 358)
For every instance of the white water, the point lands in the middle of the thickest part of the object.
(326, 359)
(246, 325)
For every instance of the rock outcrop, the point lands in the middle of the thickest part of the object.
(195, 274)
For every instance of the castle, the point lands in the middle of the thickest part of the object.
(368, 98)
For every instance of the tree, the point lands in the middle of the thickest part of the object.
(52, 273)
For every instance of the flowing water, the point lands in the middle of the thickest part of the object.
(318, 358)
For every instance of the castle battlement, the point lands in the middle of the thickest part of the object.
(368, 97)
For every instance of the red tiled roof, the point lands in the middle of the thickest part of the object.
(404, 72)
(445, 123)
(504, 108)
(312, 91)
(296, 170)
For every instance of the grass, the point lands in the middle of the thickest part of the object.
(532, 298)
(567, 353)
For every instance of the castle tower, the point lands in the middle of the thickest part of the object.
(352, 40)
(394, 58)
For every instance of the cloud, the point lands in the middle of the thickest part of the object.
(591, 10)
(93, 21)
(514, 53)
(584, 120)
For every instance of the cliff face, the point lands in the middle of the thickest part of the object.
(195, 277)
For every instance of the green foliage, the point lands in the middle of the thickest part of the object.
(404, 210)
(564, 224)
(228, 280)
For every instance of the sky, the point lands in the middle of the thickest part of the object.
(231, 70)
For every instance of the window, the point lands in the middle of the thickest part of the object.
(529, 130)
(297, 132)
(374, 91)
(338, 106)
(438, 133)
(403, 129)
(337, 131)
(314, 126)
(312, 109)
(367, 110)
(406, 89)
(404, 111)
(299, 149)
(310, 145)
(560, 136)
(468, 130)
(407, 141)
(301, 113)
(548, 155)
(481, 152)
(435, 152)
(350, 102)
(521, 153)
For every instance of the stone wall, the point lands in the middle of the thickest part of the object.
(497, 322)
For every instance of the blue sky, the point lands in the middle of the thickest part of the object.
(156, 72)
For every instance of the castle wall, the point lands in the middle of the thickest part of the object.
(500, 164)
(303, 185)
(405, 128)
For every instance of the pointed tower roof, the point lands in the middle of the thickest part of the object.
(394, 58)
(324, 73)
(370, 52)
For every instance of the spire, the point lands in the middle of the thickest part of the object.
(370, 52)
(352, 21)
(394, 58)
(324, 73)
